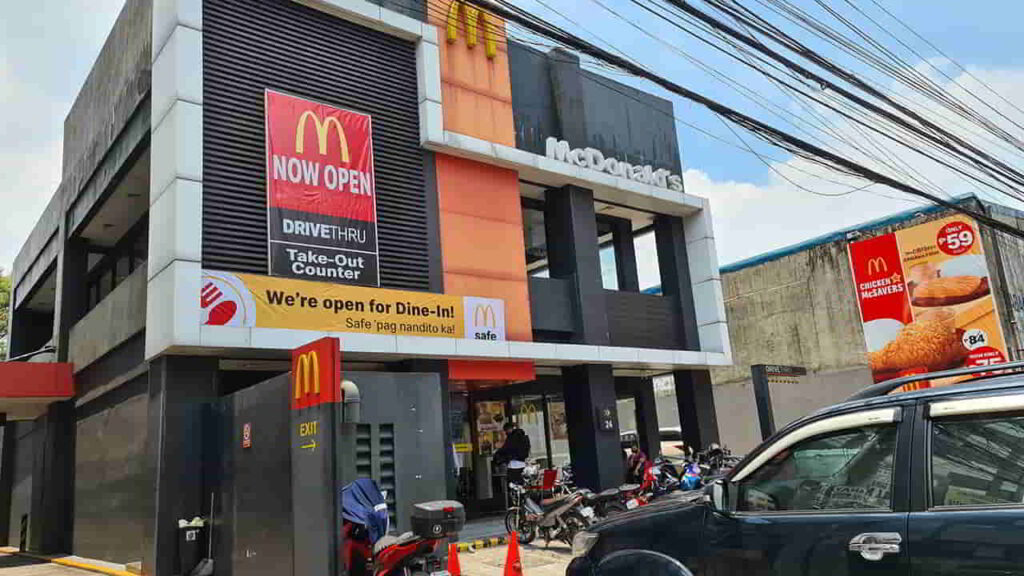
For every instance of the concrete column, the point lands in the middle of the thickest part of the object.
(72, 267)
(696, 400)
(181, 442)
(53, 481)
(625, 255)
(596, 454)
(573, 254)
(7, 447)
(675, 275)
(647, 416)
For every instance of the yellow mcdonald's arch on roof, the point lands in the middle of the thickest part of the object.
(308, 369)
(322, 131)
(472, 15)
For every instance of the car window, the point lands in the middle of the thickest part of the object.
(978, 461)
(845, 470)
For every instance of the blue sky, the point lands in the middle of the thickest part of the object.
(48, 46)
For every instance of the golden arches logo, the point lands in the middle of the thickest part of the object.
(483, 315)
(528, 413)
(308, 368)
(472, 15)
(322, 128)
(877, 265)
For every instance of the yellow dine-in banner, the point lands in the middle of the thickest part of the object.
(251, 300)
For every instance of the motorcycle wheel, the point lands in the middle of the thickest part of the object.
(614, 509)
(512, 520)
(574, 524)
(527, 532)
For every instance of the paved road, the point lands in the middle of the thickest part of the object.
(536, 561)
(21, 566)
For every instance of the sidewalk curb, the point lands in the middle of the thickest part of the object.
(481, 543)
(65, 561)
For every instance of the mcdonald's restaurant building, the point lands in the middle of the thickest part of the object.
(473, 218)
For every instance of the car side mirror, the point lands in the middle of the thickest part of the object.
(716, 495)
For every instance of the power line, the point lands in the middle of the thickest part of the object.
(509, 12)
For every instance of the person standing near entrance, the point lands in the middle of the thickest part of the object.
(514, 452)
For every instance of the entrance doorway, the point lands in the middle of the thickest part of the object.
(479, 413)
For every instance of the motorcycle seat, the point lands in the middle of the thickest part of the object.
(629, 487)
(390, 540)
(609, 493)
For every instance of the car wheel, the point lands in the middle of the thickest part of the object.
(647, 562)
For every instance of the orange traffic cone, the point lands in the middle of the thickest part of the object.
(513, 567)
(453, 560)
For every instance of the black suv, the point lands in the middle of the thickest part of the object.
(927, 482)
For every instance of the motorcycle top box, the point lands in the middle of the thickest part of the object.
(438, 518)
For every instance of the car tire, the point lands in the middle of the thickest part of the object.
(647, 562)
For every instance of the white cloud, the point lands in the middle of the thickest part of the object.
(751, 219)
(46, 50)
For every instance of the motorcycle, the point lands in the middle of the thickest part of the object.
(368, 549)
(606, 503)
(559, 517)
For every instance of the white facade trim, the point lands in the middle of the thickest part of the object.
(176, 177)
(543, 170)
(175, 244)
(261, 339)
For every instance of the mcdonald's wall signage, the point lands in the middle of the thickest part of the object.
(321, 197)
(475, 22)
(925, 301)
(250, 300)
(316, 376)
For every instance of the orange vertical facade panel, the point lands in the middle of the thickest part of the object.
(482, 248)
(476, 89)
(481, 222)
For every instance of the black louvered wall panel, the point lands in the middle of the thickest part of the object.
(252, 45)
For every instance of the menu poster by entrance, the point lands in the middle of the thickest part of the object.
(490, 418)
(925, 301)
(321, 197)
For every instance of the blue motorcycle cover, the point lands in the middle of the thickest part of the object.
(362, 503)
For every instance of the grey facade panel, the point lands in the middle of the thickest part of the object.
(551, 304)
(21, 489)
(112, 487)
(249, 47)
(118, 82)
(642, 320)
(621, 121)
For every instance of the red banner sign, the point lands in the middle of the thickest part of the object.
(321, 196)
(878, 275)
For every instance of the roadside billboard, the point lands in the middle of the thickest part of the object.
(925, 300)
(321, 196)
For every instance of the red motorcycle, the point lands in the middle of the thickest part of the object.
(367, 547)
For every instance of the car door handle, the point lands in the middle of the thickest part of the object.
(874, 546)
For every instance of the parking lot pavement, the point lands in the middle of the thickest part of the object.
(11, 565)
(536, 560)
